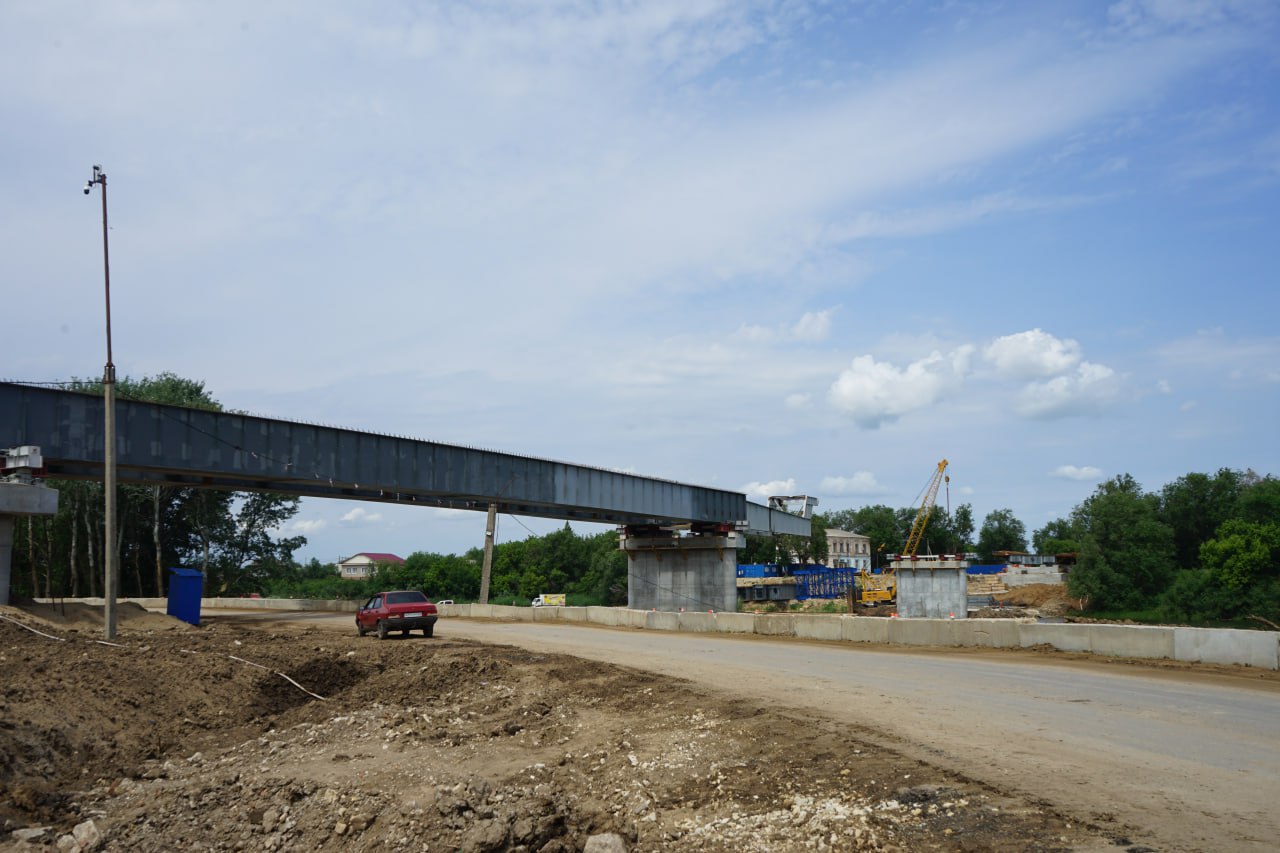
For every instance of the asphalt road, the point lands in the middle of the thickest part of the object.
(1185, 758)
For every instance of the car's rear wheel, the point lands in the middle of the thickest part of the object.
(360, 631)
(382, 629)
(427, 631)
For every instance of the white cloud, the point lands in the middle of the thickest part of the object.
(1091, 389)
(1143, 17)
(798, 401)
(360, 515)
(876, 392)
(763, 491)
(861, 483)
(1074, 472)
(307, 526)
(813, 326)
(919, 222)
(1034, 354)
(1240, 359)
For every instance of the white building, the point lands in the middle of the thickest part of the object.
(847, 550)
(364, 565)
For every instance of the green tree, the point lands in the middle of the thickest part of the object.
(1057, 537)
(1194, 506)
(1259, 498)
(962, 527)
(248, 554)
(1126, 549)
(760, 549)
(881, 526)
(1001, 531)
(1239, 576)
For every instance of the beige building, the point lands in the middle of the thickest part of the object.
(363, 565)
(847, 550)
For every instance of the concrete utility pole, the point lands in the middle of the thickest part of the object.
(110, 568)
(488, 553)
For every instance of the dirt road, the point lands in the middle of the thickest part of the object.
(1188, 756)
(289, 732)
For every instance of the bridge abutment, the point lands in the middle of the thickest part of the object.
(673, 572)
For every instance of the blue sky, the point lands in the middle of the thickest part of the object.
(779, 247)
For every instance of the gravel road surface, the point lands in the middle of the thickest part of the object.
(1191, 756)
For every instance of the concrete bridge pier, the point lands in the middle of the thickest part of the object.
(18, 500)
(932, 587)
(667, 570)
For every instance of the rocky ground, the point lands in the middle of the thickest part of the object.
(230, 737)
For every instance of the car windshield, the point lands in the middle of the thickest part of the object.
(405, 597)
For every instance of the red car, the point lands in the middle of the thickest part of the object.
(400, 610)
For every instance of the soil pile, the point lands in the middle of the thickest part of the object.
(1047, 598)
(228, 737)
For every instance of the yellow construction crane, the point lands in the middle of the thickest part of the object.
(883, 588)
(922, 514)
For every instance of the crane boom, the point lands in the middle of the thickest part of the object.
(922, 514)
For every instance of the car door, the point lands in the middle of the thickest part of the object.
(369, 613)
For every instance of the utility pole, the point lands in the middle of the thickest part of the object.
(488, 553)
(109, 554)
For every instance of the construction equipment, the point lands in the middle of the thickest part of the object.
(922, 514)
(882, 588)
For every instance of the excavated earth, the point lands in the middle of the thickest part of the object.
(231, 737)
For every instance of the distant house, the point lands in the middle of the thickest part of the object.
(848, 550)
(363, 565)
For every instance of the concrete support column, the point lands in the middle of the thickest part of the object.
(667, 571)
(19, 499)
(932, 587)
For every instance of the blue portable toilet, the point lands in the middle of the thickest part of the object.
(186, 588)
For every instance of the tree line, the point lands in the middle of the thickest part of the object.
(1204, 548)
(590, 568)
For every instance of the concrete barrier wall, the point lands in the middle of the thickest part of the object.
(1224, 645)
(1196, 645)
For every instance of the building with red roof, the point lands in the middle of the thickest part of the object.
(364, 565)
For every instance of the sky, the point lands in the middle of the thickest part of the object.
(778, 247)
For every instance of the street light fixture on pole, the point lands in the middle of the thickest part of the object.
(110, 568)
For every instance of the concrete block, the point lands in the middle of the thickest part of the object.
(816, 626)
(510, 613)
(1227, 646)
(774, 624)
(922, 632)
(735, 623)
(545, 614)
(632, 618)
(991, 633)
(662, 620)
(608, 616)
(1066, 637)
(570, 614)
(27, 499)
(1132, 641)
(865, 629)
(697, 622)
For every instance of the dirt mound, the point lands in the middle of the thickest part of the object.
(75, 616)
(304, 738)
(1049, 599)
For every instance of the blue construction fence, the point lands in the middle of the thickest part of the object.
(827, 582)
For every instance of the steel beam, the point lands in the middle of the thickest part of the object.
(173, 445)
